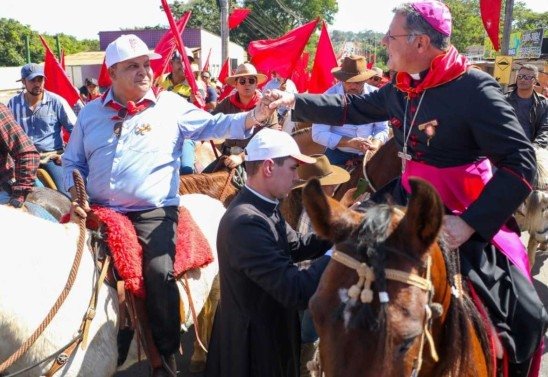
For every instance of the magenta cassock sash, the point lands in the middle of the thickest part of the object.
(458, 187)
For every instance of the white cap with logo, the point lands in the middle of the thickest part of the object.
(125, 47)
(268, 144)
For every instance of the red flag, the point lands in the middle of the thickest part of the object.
(104, 79)
(166, 46)
(237, 16)
(57, 80)
(206, 64)
(301, 76)
(199, 101)
(490, 15)
(325, 60)
(224, 72)
(281, 54)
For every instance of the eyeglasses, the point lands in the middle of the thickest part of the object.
(117, 129)
(525, 77)
(393, 37)
(250, 80)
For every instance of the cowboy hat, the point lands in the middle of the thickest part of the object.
(323, 170)
(245, 70)
(353, 69)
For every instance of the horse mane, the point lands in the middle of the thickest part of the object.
(542, 168)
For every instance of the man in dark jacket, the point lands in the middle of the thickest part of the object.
(531, 107)
(451, 143)
(256, 332)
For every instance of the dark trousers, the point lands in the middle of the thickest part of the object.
(157, 232)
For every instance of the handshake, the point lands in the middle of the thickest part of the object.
(271, 100)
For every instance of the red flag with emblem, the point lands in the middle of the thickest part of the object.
(237, 16)
(57, 80)
(490, 16)
(301, 76)
(325, 60)
(281, 54)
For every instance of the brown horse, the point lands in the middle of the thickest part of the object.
(219, 185)
(409, 301)
(383, 166)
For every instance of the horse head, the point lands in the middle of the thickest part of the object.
(384, 315)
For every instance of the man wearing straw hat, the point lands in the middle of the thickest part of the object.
(350, 141)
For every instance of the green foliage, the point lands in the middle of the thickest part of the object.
(526, 19)
(13, 50)
(467, 25)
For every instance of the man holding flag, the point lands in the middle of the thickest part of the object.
(127, 146)
(43, 114)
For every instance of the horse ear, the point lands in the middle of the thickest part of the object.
(424, 216)
(330, 219)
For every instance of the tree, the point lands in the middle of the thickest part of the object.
(526, 19)
(13, 50)
(268, 18)
(467, 25)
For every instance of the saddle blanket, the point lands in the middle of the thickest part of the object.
(192, 249)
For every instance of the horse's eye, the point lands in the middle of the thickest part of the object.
(406, 344)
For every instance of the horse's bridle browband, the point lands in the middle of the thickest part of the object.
(362, 289)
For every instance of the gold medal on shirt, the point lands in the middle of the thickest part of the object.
(143, 129)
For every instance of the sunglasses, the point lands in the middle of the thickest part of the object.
(250, 80)
(525, 77)
(117, 129)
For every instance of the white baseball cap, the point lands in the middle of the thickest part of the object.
(125, 47)
(268, 144)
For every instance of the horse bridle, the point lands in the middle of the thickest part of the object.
(362, 290)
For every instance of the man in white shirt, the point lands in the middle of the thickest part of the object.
(349, 141)
(284, 113)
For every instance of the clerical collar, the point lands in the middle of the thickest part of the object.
(276, 201)
(415, 76)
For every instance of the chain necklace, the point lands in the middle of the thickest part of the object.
(404, 155)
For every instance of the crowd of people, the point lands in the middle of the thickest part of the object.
(131, 142)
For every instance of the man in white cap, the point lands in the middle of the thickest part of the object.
(256, 331)
(127, 146)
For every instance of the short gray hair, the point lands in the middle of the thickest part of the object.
(530, 67)
(417, 25)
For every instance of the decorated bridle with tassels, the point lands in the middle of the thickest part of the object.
(362, 290)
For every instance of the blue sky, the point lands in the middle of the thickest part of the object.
(89, 17)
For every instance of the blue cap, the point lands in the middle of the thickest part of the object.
(31, 70)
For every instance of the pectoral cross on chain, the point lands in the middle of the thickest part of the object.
(404, 158)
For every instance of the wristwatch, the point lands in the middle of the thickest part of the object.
(15, 203)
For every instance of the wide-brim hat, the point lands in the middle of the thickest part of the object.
(353, 69)
(245, 70)
(323, 170)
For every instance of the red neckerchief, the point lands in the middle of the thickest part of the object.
(444, 68)
(235, 100)
(131, 108)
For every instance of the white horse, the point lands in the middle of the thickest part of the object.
(36, 260)
(532, 216)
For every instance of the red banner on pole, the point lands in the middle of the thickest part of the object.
(281, 54)
(325, 60)
(199, 101)
(490, 16)
(57, 80)
(237, 16)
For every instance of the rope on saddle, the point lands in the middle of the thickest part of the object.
(80, 189)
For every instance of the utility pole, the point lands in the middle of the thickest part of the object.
(27, 47)
(508, 18)
(224, 31)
